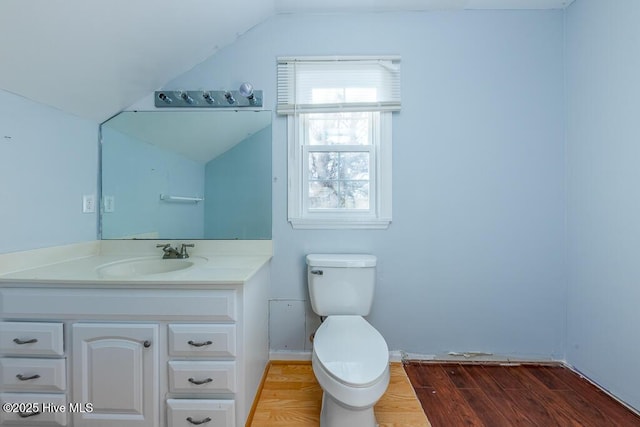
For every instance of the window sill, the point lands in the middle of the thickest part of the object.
(340, 224)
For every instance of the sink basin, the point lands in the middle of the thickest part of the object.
(143, 267)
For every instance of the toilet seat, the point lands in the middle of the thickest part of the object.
(351, 351)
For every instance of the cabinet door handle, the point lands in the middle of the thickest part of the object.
(23, 378)
(199, 344)
(194, 422)
(146, 344)
(200, 382)
(20, 342)
(28, 414)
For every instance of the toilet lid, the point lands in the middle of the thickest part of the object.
(351, 350)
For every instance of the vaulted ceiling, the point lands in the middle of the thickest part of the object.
(96, 58)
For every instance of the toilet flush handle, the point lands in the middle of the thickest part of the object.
(317, 272)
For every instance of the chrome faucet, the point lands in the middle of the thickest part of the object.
(172, 253)
(169, 251)
(183, 249)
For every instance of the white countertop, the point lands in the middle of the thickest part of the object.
(213, 262)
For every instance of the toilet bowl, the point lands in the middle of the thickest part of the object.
(351, 363)
(350, 358)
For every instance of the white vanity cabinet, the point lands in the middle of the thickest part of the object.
(135, 354)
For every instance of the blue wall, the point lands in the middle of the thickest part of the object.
(48, 161)
(237, 198)
(603, 153)
(475, 259)
(143, 172)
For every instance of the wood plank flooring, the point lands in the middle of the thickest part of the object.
(291, 397)
(524, 395)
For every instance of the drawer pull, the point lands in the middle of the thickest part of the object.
(20, 342)
(199, 344)
(23, 378)
(146, 344)
(200, 382)
(28, 414)
(194, 422)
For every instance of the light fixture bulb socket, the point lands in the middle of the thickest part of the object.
(207, 97)
(163, 97)
(186, 98)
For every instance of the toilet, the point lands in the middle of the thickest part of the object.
(350, 357)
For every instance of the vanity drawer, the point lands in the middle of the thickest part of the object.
(33, 374)
(31, 338)
(202, 340)
(41, 417)
(136, 304)
(205, 412)
(202, 377)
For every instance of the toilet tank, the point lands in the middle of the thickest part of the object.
(341, 283)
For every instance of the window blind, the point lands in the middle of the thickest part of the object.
(311, 84)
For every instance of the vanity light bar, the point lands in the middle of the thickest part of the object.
(208, 98)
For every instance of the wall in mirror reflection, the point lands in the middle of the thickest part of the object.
(235, 186)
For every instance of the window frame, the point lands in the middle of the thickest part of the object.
(380, 189)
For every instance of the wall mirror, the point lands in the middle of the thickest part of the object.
(186, 175)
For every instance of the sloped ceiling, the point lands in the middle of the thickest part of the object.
(96, 58)
(202, 135)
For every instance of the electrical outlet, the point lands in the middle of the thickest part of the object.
(89, 203)
(109, 204)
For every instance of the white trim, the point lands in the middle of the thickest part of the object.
(396, 356)
(338, 58)
(402, 356)
(380, 213)
(303, 356)
(294, 168)
(384, 168)
(290, 355)
(339, 224)
(287, 109)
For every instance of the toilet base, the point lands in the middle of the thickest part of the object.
(334, 414)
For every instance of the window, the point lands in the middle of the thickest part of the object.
(339, 119)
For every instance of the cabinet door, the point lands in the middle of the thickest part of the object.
(115, 369)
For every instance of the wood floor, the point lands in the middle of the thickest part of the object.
(527, 395)
(291, 397)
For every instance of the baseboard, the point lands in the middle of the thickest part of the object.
(477, 357)
(402, 356)
(293, 356)
(396, 356)
(601, 388)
